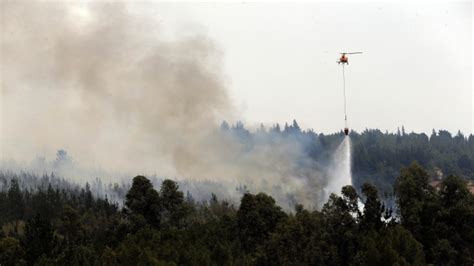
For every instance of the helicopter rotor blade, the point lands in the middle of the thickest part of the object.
(352, 53)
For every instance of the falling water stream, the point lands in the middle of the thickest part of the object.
(340, 170)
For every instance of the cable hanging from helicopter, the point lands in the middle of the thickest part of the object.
(344, 60)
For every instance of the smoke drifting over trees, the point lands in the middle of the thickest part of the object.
(105, 85)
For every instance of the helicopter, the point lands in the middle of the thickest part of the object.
(344, 59)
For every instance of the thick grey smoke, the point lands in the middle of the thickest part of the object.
(104, 84)
(109, 88)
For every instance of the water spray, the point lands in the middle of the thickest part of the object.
(340, 169)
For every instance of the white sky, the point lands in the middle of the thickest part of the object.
(280, 61)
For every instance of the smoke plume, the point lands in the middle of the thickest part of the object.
(108, 87)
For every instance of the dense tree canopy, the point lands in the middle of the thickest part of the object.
(161, 227)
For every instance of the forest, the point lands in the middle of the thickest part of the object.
(390, 216)
(377, 156)
(67, 225)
